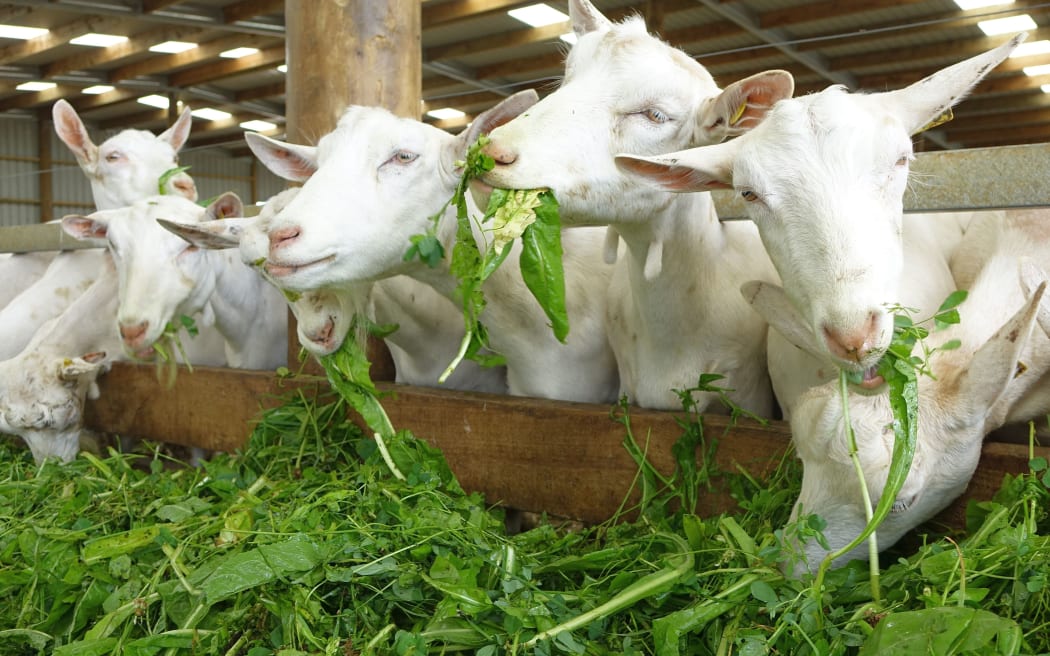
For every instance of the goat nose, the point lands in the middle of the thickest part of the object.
(853, 344)
(283, 236)
(133, 334)
(501, 154)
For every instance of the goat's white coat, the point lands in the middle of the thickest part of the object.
(978, 388)
(391, 174)
(674, 306)
(123, 169)
(430, 328)
(825, 176)
(163, 277)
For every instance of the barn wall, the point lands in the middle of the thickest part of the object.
(213, 169)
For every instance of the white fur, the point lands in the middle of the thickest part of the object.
(123, 169)
(825, 175)
(19, 271)
(675, 311)
(978, 388)
(163, 277)
(386, 175)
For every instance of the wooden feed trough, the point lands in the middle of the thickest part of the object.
(563, 458)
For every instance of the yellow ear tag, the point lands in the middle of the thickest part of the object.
(944, 117)
(739, 113)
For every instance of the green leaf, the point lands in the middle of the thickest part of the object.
(943, 630)
(953, 301)
(165, 178)
(248, 569)
(541, 264)
(427, 248)
(764, 592)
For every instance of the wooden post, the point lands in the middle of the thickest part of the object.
(45, 129)
(343, 52)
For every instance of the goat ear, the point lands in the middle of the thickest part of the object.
(773, 304)
(216, 234)
(586, 18)
(506, 111)
(71, 131)
(90, 228)
(743, 104)
(993, 368)
(697, 169)
(288, 161)
(1032, 275)
(179, 131)
(924, 101)
(225, 206)
(89, 364)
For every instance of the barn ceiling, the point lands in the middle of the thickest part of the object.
(474, 53)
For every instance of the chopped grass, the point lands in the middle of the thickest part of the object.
(305, 542)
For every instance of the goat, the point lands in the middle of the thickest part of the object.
(674, 309)
(162, 277)
(388, 175)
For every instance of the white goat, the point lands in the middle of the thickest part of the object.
(674, 307)
(163, 277)
(824, 176)
(19, 271)
(386, 175)
(997, 376)
(125, 168)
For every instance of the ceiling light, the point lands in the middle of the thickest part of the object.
(1008, 25)
(160, 102)
(283, 68)
(445, 113)
(98, 40)
(259, 126)
(97, 89)
(1032, 71)
(237, 53)
(1045, 88)
(211, 114)
(35, 86)
(1033, 48)
(569, 37)
(173, 47)
(19, 32)
(538, 15)
(978, 4)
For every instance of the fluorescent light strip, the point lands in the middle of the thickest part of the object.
(569, 37)
(538, 15)
(173, 47)
(445, 113)
(20, 32)
(160, 102)
(1032, 71)
(1030, 49)
(966, 5)
(1008, 25)
(258, 126)
(97, 89)
(98, 40)
(237, 53)
(35, 86)
(211, 114)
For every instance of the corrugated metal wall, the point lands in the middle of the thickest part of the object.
(213, 170)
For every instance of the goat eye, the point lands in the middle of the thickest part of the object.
(113, 157)
(655, 115)
(404, 157)
(749, 195)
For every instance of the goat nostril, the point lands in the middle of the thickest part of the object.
(500, 154)
(133, 333)
(284, 236)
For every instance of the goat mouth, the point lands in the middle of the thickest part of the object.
(871, 380)
(278, 270)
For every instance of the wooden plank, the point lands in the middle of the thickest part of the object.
(562, 458)
(40, 237)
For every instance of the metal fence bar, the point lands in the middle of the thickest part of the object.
(1002, 177)
(976, 179)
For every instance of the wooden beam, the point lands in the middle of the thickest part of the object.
(150, 6)
(435, 14)
(57, 36)
(827, 10)
(228, 67)
(514, 38)
(45, 128)
(133, 46)
(245, 9)
(532, 454)
(26, 100)
(180, 60)
(260, 93)
(114, 97)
